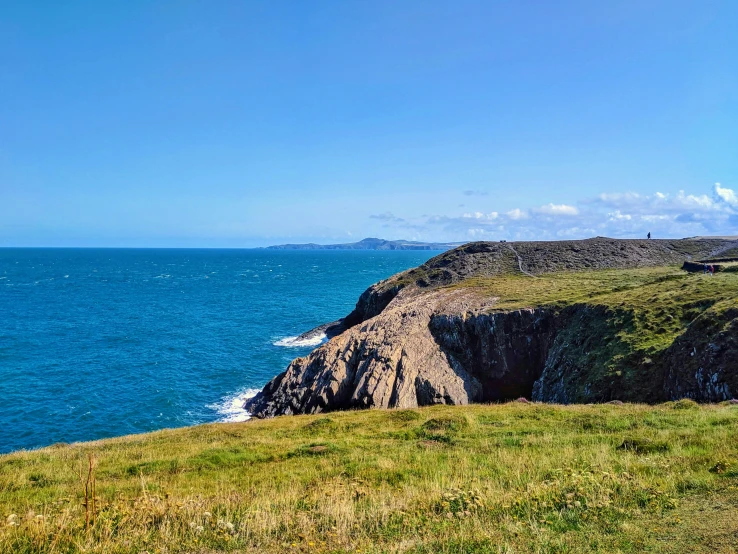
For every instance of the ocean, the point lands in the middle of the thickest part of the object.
(99, 343)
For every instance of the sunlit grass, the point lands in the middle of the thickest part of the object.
(497, 478)
(651, 306)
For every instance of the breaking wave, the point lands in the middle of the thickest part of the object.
(292, 342)
(231, 408)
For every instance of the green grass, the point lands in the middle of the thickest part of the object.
(620, 321)
(639, 289)
(486, 478)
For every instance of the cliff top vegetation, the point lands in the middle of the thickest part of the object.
(517, 477)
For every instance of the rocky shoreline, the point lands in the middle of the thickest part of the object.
(419, 338)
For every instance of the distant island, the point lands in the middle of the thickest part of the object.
(371, 244)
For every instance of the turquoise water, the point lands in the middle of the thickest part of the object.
(103, 342)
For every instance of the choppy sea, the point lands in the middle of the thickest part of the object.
(98, 343)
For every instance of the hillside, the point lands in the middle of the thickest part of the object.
(371, 244)
(516, 477)
(570, 321)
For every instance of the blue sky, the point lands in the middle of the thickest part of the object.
(251, 123)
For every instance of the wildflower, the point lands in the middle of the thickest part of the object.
(207, 515)
(199, 529)
(11, 518)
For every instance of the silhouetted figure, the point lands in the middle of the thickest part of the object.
(649, 234)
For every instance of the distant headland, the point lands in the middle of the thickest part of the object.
(371, 244)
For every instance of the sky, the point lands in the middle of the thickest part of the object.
(249, 123)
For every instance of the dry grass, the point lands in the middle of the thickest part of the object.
(654, 304)
(497, 478)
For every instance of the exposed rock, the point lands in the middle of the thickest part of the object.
(702, 364)
(488, 259)
(327, 330)
(412, 342)
(391, 360)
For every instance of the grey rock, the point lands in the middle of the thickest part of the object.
(411, 343)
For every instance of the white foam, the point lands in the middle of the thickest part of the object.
(231, 408)
(293, 342)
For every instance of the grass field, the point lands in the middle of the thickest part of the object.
(516, 477)
(632, 317)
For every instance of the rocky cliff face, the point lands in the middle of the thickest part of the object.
(489, 259)
(413, 340)
(703, 363)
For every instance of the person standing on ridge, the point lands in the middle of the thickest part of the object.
(649, 234)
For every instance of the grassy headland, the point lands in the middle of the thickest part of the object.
(515, 477)
(655, 304)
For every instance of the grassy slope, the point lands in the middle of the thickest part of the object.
(536, 478)
(495, 478)
(639, 313)
(654, 305)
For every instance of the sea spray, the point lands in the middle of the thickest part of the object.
(231, 408)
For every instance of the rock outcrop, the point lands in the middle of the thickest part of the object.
(414, 340)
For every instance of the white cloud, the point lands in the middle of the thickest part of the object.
(575, 232)
(516, 214)
(608, 214)
(653, 218)
(479, 215)
(558, 209)
(726, 195)
(622, 198)
(692, 201)
(617, 215)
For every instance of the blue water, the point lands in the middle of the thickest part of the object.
(103, 342)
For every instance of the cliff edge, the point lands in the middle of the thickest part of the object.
(571, 321)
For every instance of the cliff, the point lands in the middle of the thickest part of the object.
(570, 321)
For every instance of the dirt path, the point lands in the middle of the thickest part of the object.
(520, 261)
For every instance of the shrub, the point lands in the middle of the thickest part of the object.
(685, 404)
(644, 446)
(404, 415)
(446, 423)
